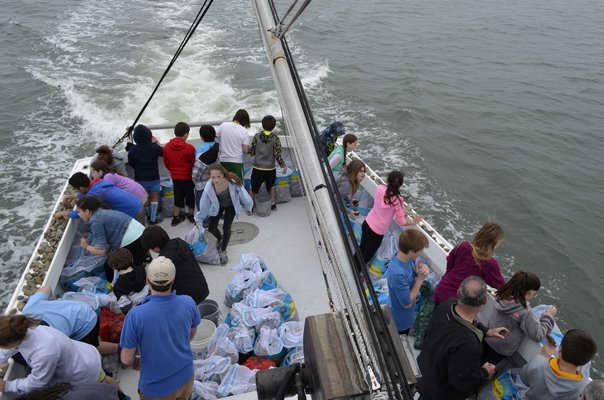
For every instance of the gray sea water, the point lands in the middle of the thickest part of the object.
(493, 109)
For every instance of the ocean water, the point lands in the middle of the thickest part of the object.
(492, 109)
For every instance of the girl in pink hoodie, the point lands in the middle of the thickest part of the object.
(388, 205)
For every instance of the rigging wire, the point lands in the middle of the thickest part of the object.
(198, 18)
(282, 27)
(393, 366)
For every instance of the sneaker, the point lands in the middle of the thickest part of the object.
(250, 212)
(219, 244)
(224, 259)
(177, 220)
(157, 221)
(191, 218)
(274, 206)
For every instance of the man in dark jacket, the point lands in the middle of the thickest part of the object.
(189, 277)
(452, 350)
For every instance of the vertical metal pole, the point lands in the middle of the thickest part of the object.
(295, 121)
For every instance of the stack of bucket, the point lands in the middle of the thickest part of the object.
(206, 331)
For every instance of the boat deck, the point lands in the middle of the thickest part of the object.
(286, 243)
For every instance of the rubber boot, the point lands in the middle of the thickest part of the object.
(153, 213)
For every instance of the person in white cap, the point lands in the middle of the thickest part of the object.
(162, 328)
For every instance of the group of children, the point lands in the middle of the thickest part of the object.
(561, 378)
(213, 168)
(546, 376)
(209, 178)
(116, 209)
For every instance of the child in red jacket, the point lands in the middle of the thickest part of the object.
(179, 157)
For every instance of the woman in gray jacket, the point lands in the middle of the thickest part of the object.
(513, 312)
(224, 194)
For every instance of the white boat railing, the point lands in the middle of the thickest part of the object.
(60, 255)
(197, 124)
(438, 247)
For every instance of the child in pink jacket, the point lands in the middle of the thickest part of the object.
(388, 205)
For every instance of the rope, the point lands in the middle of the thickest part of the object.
(200, 14)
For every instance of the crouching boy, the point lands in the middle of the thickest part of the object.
(562, 377)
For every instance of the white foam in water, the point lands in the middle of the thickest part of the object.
(101, 63)
(104, 81)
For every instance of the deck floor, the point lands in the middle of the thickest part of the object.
(286, 243)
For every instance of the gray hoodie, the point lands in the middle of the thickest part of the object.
(544, 384)
(520, 322)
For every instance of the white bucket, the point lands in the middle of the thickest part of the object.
(206, 331)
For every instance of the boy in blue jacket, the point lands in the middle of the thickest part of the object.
(111, 197)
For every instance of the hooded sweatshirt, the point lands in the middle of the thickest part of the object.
(112, 198)
(179, 157)
(143, 155)
(127, 184)
(521, 322)
(189, 279)
(547, 382)
(266, 149)
(330, 135)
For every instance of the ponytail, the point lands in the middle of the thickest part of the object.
(105, 154)
(394, 183)
(13, 328)
(518, 286)
(229, 176)
(233, 177)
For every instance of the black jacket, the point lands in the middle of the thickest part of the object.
(189, 278)
(450, 357)
(143, 156)
(211, 155)
(131, 282)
